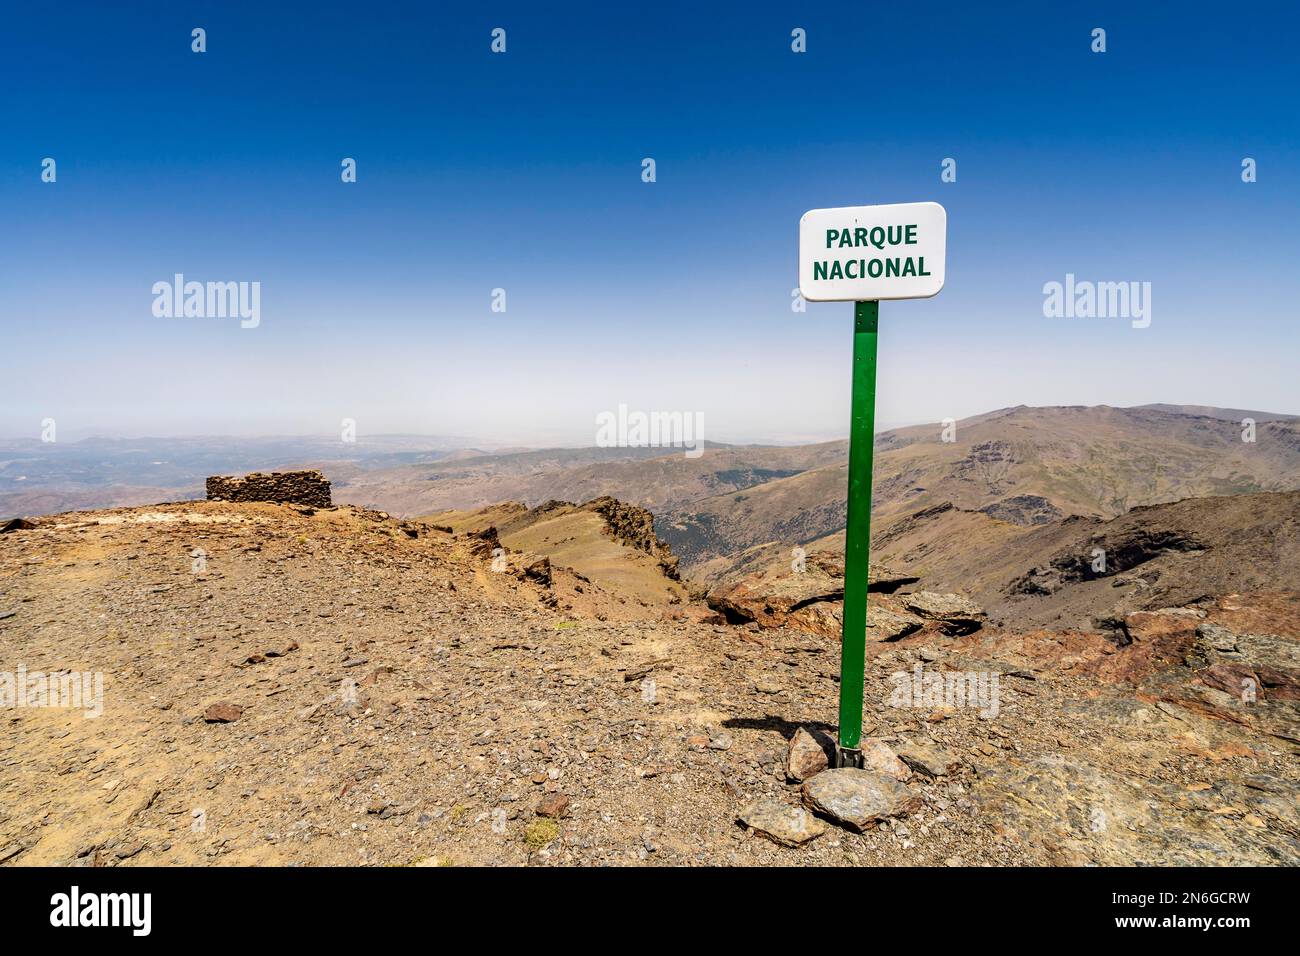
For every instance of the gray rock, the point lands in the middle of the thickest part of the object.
(780, 822)
(858, 799)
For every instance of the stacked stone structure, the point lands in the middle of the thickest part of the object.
(309, 488)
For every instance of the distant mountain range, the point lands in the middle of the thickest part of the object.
(1023, 466)
(733, 505)
(46, 477)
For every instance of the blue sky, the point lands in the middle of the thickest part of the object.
(522, 171)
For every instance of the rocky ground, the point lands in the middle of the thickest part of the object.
(285, 685)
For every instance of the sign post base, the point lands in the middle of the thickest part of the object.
(848, 757)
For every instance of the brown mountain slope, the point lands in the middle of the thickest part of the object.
(603, 540)
(1227, 414)
(46, 499)
(1151, 557)
(1078, 573)
(1025, 465)
(1099, 461)
(786, 512)
(645, 477)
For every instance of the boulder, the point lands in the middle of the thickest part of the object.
(858, 799)
(1236, 680)
(1217, 638)
(810, 600)
(484, 542)
(769, 601)
(539, 571)
(820, 617)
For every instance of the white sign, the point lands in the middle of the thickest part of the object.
(858, 253)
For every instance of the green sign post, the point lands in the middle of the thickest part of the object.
(857, 533)
(864, 254)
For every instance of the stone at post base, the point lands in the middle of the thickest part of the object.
(858, 799)
(807, 755)
(878, 757)
(780, 822)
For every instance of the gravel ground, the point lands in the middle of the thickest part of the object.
(396, 702)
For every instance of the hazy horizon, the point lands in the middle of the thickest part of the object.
(444, 442)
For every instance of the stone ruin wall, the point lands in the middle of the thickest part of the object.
(309, 488)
